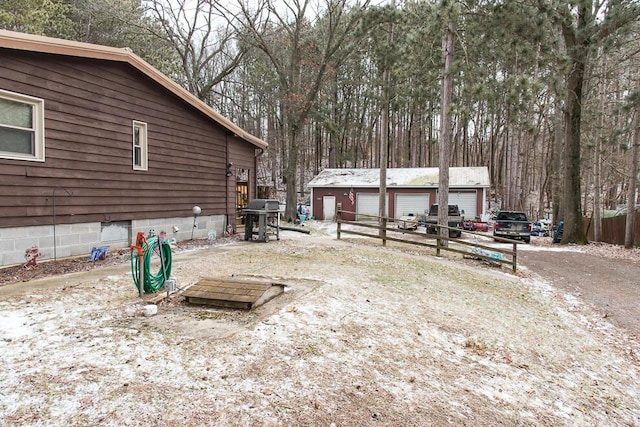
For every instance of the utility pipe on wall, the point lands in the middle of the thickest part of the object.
(69, 193)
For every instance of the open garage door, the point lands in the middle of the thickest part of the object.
(413, 203)
(367, 206)
(466, 202)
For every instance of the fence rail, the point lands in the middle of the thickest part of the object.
(442, 243)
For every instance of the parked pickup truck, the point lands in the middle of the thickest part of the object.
(513, 225)
(454, 220)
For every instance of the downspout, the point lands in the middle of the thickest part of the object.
(484, 204)
(226, 203)
(259, 152)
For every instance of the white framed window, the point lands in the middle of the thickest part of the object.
(140, 146)
(21, 127)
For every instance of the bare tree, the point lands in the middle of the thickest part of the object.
(204, 37)
(303, 53)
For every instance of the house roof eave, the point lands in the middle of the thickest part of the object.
(42, 44)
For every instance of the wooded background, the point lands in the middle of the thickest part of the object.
(543, 92)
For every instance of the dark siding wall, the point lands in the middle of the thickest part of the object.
(342, 196)
(393, 192)
(319, 193)
(89, 109)
(242, 156)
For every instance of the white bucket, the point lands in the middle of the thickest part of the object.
(150, 310)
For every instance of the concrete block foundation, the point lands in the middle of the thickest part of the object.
(78, 239)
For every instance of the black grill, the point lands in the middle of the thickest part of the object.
(259, 215)
(263, 205)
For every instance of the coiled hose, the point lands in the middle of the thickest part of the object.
(152, 282)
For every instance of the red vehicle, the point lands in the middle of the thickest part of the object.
(476, 226)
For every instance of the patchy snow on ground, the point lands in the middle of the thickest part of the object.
(364, 335)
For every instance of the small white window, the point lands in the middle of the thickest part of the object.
(140, 146)
(21, 127)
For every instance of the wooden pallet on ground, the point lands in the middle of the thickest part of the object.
(233, 293)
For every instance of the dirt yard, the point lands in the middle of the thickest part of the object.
(364, 335)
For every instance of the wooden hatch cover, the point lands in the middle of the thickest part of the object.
(233, 293)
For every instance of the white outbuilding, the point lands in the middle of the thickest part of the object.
(409, 191)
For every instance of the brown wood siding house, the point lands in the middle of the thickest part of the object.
(122, 144)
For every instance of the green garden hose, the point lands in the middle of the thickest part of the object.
(152, 282)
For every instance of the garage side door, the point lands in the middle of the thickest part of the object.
(466, 202)
(367, 206)
(414, 203)
(329, 208)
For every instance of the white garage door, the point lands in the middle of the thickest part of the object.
(414, 203)
(466, 202)
(367, 205)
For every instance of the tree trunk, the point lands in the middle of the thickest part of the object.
(302, 170)
(384, 140)
(577, 46)
(556, 169)
(633, 172)
(319, 154)
(597, 220)
(332, 133)
(384, 154)
(291, 176)
(273, 132)
(573, 230)
(448, 43)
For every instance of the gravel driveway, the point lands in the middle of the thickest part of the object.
(603, 276)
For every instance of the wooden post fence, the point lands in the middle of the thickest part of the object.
(478, 250)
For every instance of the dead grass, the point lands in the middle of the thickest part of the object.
(364, 335)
